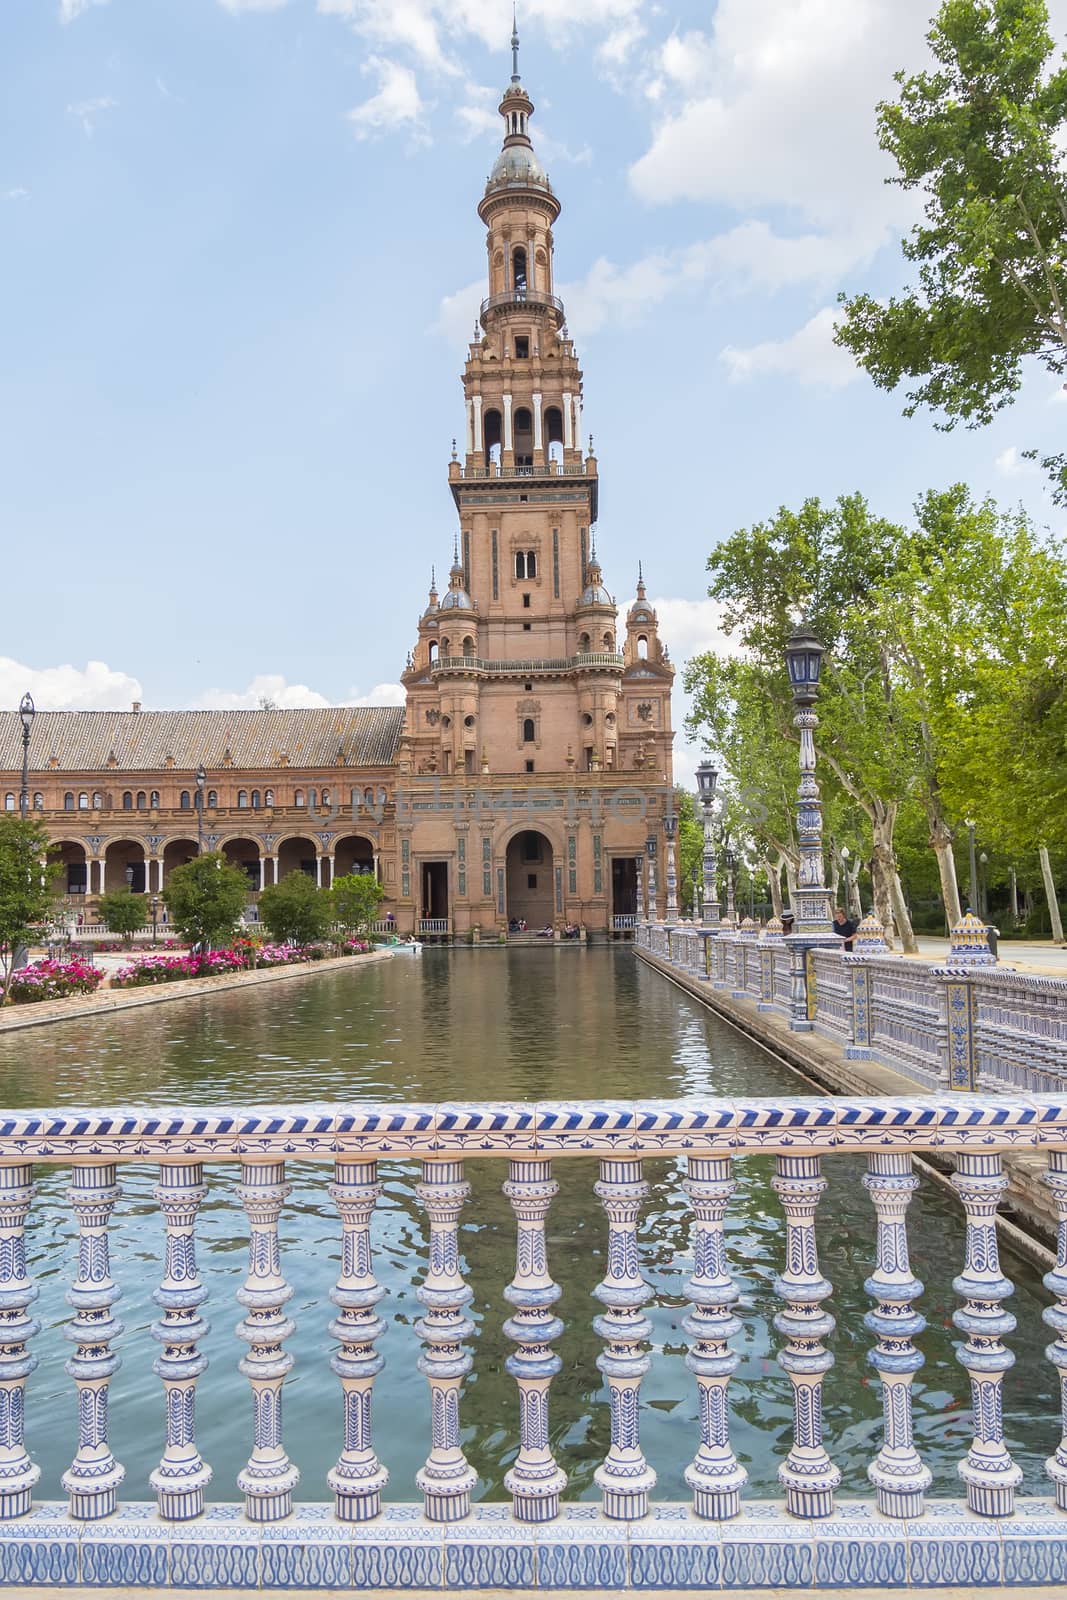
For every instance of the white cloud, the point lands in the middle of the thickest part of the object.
(689, 627)
(809, 355)
(70, 9)
(383, 694)
(459, 313)
(252, 5)
(1011, 464)
(17, 194)
(264, 686)
(397, 104)
(87, 111)
(94, 687)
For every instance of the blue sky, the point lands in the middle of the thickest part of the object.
(241, 258)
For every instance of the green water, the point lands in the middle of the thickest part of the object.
(490, 1024)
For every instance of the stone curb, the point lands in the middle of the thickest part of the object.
(104, 1002)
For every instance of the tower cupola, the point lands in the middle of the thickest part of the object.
(456, 597)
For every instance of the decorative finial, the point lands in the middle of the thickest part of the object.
(514, 45)
(433, 576)
(591, 450)
(455, 549)
(454, 456)
(477, 333)
(640, 572)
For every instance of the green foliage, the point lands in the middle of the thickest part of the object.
(980, 137)
(296, 909)
(205, 899)
(357, 897)
(123, 912)
(25, 884)
(689, 847)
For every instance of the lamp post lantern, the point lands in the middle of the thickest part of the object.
(812, 926)
(27, 712)
(201, 779)
(707, 777)
(670, 831)
(650, 856)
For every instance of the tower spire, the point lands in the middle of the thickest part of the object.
(514, 44)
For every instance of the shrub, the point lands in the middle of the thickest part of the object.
(52, 980)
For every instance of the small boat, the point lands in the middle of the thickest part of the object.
(407, 947)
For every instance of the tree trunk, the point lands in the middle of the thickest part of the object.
(900, 914)
(1050, 894)
(774, 883)
(881, 866)
(941, 844)
(791, 881)
(852, 893)
(835, 879)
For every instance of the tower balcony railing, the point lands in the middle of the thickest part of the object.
(255, 1533)
(547, 469)
(523, 298)
(609, 659)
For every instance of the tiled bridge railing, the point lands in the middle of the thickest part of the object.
(951, 1025)
(722, 1538)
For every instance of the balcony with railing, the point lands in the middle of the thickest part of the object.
(523, 300)
(589, 660)
(576, 468)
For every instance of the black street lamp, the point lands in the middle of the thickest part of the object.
(983, 886)
(972, 888)
(803, 658)
(650, 856)
(201, 779)
(27, 712)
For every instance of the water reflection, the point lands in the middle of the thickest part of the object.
(483, 1024)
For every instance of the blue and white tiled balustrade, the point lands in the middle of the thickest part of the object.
(722, 1538)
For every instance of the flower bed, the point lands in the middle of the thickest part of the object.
(52, 980)
(244, 956)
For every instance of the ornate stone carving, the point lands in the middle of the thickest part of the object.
(18, 1473)
(447, 1478)
(94, 1475)
(624, 1476)
(359, 1477)
(182, 1475)
(269, 1478)
(715, 1476)
(535, 1481)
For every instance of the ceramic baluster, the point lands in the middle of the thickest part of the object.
(359, 1477)
(18, 1473)
(625, 1476)
(269, 1478)
(988, 1470)
(182, 1474)
(715, 1476)
(94, 1475)
(536, 1481)
(1056, 1317)
(897, 1472)
(807, 1475)
(447, 1478)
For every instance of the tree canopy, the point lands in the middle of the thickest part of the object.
(296, 908)
(26, 879)
(981, 137)
(123, 912)
(205, 898)
(357, 897)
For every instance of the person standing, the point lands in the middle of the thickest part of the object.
(844, 927)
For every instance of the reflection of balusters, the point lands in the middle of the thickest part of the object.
(715, 1476)
(94, 1475)
(1056, 1317)
(359, 1477)
(625, 1476)
(447, 1478)
(987, 1469)
(182, 1475)
(18, 1474)
(897, 1471)
(268, 1480)
(807, 1475)
(535, 1481)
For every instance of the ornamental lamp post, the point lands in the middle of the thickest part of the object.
(707, 777)
(803, 658)
(27, 712)
(695, 881)
(650, 855)
(729, 861)
(201, 779)
(983, 886)
(670, 830)
(155, 916)
(972, 888)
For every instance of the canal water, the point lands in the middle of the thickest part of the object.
(483, 1024)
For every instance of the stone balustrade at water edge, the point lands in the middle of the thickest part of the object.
(959, 1024)
(722, 1538)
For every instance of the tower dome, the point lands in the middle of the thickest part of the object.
(456, 597)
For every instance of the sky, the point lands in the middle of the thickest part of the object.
(242, 258)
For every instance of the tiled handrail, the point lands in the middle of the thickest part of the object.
(944, 1025)
(524, 1139)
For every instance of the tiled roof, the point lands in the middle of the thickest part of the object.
(84, 741)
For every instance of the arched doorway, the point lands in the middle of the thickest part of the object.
(73, 876)
(124, 866)
(245, 853)
(296, 855)
(530, 880)
(354, 853)
(176, 852)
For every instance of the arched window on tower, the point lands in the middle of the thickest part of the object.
(433, 651)
(493, 438)
(523, 438)
(520, 563)
(212, 797)
(554, 433)
(518, 272)
(531, 563)
(642, 647)
(183, 800)
(468, 648)
(583, 644)
(529, 732)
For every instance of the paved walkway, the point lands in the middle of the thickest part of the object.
(1039, 955)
